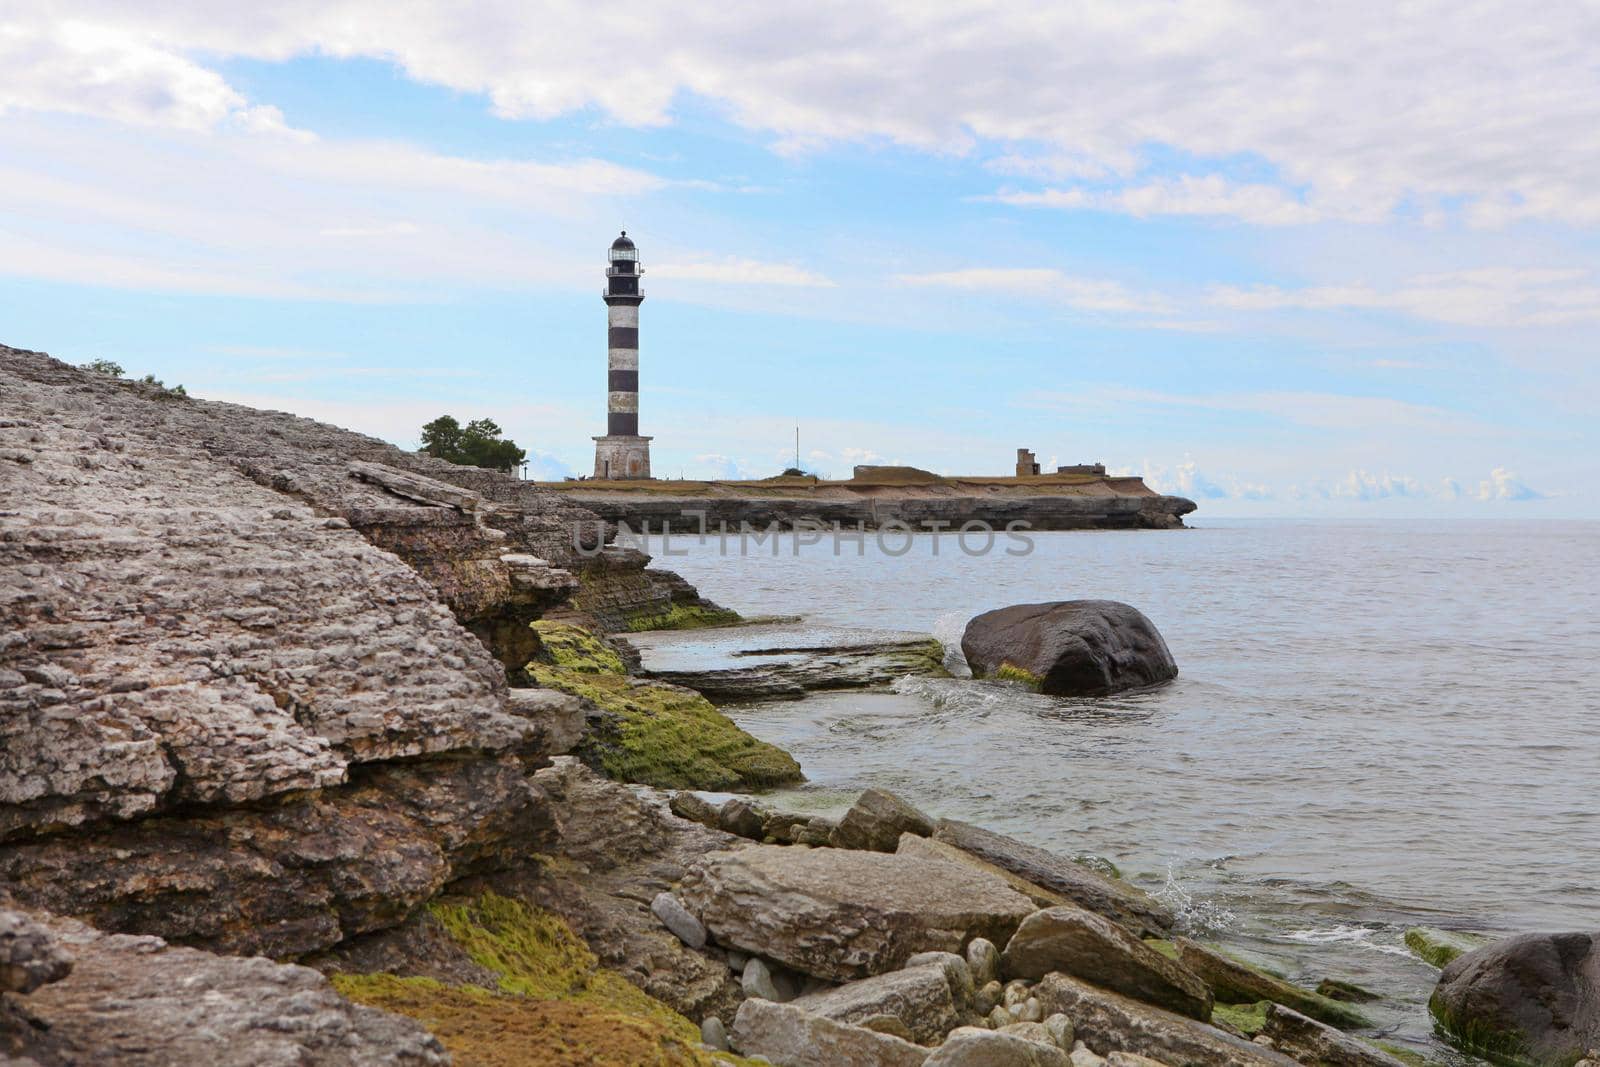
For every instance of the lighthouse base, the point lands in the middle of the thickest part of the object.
(619, 457)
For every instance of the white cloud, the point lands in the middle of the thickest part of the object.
(736, 270)
(1365, 108)
(1328, 411)
(1085, 294)
(1207, 195)
(1504, 485)
(1363, 485)
(1493, 297)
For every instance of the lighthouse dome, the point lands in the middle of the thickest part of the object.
(623, 242)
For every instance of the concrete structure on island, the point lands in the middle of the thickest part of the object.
(1028, 466)
(622, 453)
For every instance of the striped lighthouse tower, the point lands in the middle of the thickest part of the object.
(622, 453)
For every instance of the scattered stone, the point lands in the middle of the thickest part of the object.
(781, 826)
(1030, 1032)
(713, 1033)
(1131, 1059)
(694, 807)
(1533, 996)
(1113, 1022)
(971, 1046)
(757, 981)
(1000, 1018)
(1069, 647)
(1060, 1030)
(888, 1024)
(1016, 991)
(877, 819)
(787, 1035)
(1116, 900)
(841, 914)
(920, 996)
(1440, 947)
(675, 917)
(742, 818)
(983, 960)
(737, 960)
(1092, 947)
(1083, 1056)
(1235, 983)
(817, 833)
(987, 997)
(955, 970)
(1029, 1011)
(1349, 992)
(1312, 1042)
(30, 954)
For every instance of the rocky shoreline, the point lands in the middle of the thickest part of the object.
(316, 751)
(922, 501)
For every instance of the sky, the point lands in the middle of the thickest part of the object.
(1283, 259)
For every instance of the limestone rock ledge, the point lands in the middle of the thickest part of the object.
(138, 1002)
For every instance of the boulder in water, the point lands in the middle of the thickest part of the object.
(1535, 997)
(1069, 647)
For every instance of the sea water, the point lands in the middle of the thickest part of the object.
(1377, 724)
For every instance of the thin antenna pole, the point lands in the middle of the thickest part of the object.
(797, 446)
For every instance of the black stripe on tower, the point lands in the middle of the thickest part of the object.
(622, 424)
(622, 336)
(624, 381)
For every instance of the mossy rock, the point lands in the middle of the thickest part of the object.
(1010, 672)
(1248, 1019)
(1440, 947)
(684, 617)
(554, 1005)
(1508, 1048)
(1409, 1056)
(668, 736)
(572, 648)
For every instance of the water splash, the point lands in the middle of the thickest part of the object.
(1196, 916)
(948, 628)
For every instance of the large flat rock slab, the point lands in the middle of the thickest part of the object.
(1092, 947)
(921, 997)
(842, 914)
(1110, 1022)
(792, 1037)
(1116, 900)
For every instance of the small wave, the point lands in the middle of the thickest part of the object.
(1194, 915)
(1361, 936)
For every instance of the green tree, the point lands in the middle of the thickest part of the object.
(104, 366)
(481, 443)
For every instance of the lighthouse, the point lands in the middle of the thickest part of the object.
(622, 453)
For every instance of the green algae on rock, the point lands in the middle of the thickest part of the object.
(1010, 672)
(684, 617)
(654, 733)
(554, 1004)
(573, 648)
(1233, 981)
(1439, 947)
